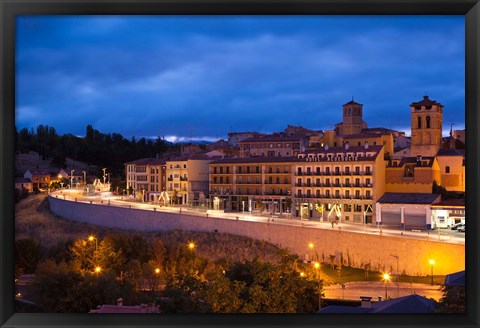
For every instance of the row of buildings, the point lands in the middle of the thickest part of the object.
(351, 173)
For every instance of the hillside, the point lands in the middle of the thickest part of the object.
(32, 160)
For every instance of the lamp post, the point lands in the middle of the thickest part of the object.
(92, 238)
(386, 278)
(396, 274)
(191, 245)
(311, 246)
(71, 178)
(432, 263)
(157, 273)
(317, 268)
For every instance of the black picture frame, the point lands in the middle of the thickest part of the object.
(9, 9)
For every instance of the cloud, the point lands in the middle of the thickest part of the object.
(160, 75)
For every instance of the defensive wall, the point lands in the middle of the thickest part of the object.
(353, 249)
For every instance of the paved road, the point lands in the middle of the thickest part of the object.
(440, 235)
(353, 290)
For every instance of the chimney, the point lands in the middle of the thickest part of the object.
(366, 302)
(366, 144)
(347, 145)
(379, 298)
(120, 302)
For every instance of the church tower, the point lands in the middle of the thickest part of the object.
(426, 127)
(352, 119)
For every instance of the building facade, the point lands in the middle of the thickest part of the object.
(275, 145)
(187, 178)
(412, 174)
(339, 183)
(145, 178)
(252, 184)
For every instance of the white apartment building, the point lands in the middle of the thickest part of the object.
(145, 178)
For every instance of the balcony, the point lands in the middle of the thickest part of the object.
(183, 179)
(169, 179)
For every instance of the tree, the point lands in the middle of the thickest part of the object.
(54, 286)
(453, 300)
(28, 253)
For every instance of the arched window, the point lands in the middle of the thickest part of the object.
(419, 122)
(428, 122)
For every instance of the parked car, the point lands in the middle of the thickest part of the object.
(461, 229)
(458, 225)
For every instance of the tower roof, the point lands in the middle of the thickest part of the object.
(351, 102)
(425, 102)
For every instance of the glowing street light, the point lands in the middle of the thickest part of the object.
(386, 278)
(302, 274)
(310, 245)
(98, 269)
(432, 263)
(191, 245)
(157, 270)
(92, 238)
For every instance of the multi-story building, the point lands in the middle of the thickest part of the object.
(412, 174)
(339, 183)
(187, 178)
(277, 144)
(146, 178)
(247, 184)
(39, 178)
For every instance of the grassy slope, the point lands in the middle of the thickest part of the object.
(34, 220)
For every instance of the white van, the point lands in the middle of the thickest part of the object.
(443, 222)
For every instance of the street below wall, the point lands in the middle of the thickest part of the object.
(356, 244)
(354, 290)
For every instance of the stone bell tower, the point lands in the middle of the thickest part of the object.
(426, 127)
(352, 119)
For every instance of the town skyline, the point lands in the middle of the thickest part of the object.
(205, 77)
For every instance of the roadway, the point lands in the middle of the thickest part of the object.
(353, 290)
(108, 199)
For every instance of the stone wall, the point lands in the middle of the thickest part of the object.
(353, 249)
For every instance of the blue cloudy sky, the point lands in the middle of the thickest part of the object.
(207, 76)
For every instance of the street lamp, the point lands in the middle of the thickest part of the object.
(98, 269)
(432, 263)
(191, 245)
(92, 238)
(71, 178)
(311, 246)
(396, 278)
(317, 268)
(386, 278)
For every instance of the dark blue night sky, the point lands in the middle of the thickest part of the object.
(207, 76)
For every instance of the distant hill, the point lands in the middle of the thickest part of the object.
(32, 160)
